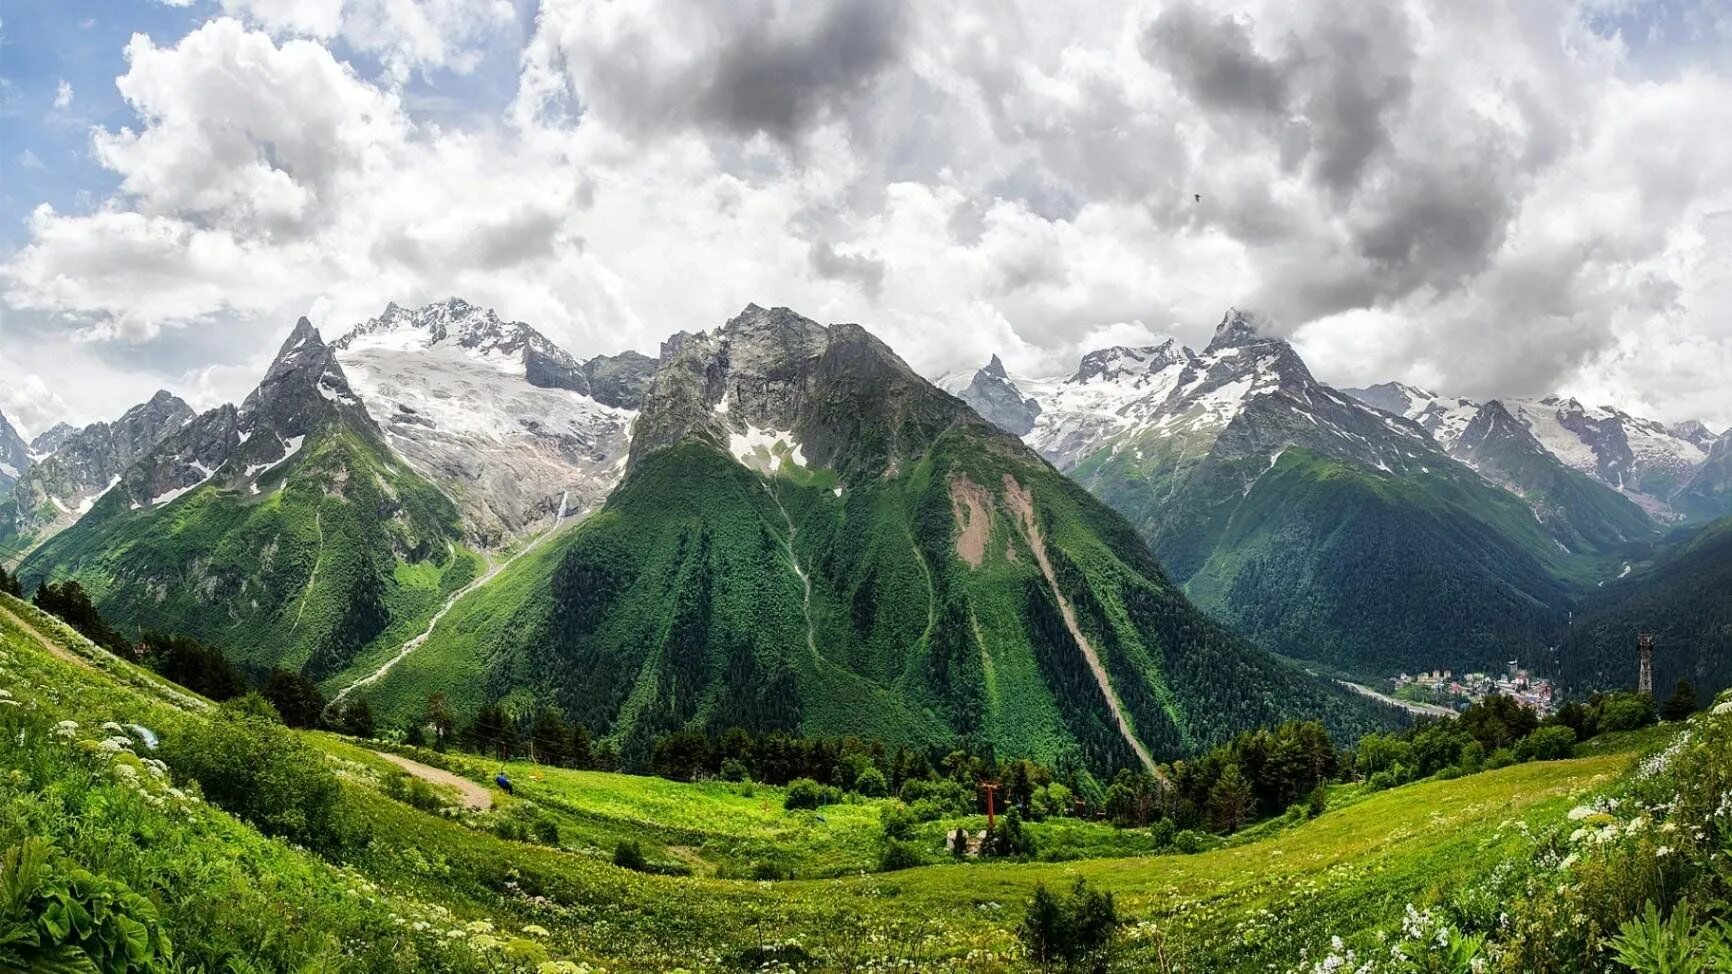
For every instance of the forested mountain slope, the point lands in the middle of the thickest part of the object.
(810, 536)
(285, 531)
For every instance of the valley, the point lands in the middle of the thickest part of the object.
(1270, 897)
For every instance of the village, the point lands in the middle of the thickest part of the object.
(1443, 688)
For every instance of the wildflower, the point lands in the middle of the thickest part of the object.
(1722, 708)
(66, 729)
(114, 745)
(1663, 852)
(1580, 812)
(535, 930)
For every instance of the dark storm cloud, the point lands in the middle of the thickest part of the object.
(740, 70)
(1357, 72)
(780, 84)
(1212, 58)
(866, 273)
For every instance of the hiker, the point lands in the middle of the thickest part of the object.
(503, 782)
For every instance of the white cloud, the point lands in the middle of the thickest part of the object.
(30, 405)
(63, 95)
(407, 35)
(1487, 198)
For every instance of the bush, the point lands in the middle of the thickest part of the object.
(1625, 711)
(948, 795)
(261, 771)
(808, 794)
(733, 770)
(1318, 802)
(1190, 841)
(1546, 744)
(1009, 837)
(628, 854)
(898, 823)
(414, 792)
(1073, 931)
(1162, 831)
(898, 854)
(1503, 757)
(871, 783)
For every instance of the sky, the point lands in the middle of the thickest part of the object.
(1480, 197)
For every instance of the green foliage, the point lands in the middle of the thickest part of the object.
(59, 918)
(1647, 944)
(193, 665)
(1680, 597)
(1682, 702)
(898, 854)
(71, 605)
(804, 793)
(1071, 931)
(1546, 744)
(262, 772)
(296, 698)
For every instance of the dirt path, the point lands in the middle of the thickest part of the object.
(474, 795)
(1022, 504)
(54, 649)
(414, 642)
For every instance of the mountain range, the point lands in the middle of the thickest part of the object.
(1364, 530)
(792, 530)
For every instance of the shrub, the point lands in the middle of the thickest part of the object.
(1009, 837)
(949, 796)
(1625, 711)
(1472, 757)
(733, 770)
(414, 792)
(1546, 744)
(1073, 931)
(898, 854)
(871, 783)
(898, 823)
(261, 771)
(628, 854)
(1162, 831)
(1503, 757)
(1190, 841)
(1318, 802)
(806, 793)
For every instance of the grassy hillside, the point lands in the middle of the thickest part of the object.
(413, 890)
(341, 548)
(911, 609)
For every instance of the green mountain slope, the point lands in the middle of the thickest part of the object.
(286, 532)
(1683, 597)
(1315, 525)
(1302, 553)
(811, 537)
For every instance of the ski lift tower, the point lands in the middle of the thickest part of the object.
(1645, 663)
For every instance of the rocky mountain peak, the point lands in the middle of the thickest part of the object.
(455, 323)
(1239, 329)
(50, 439)
(14, 455)
(1121, 361)
(997, 399)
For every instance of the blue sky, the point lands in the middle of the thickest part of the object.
(1480, 197)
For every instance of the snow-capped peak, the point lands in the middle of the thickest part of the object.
(1121, 362)
(1239, 328)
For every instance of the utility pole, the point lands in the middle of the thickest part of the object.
(991, 789)
(1645, 663)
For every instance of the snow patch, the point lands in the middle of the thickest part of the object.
(765, 449)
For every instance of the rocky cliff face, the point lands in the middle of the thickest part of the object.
(50, 439)
(59, 488)
(15, 457)
(771, 383)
